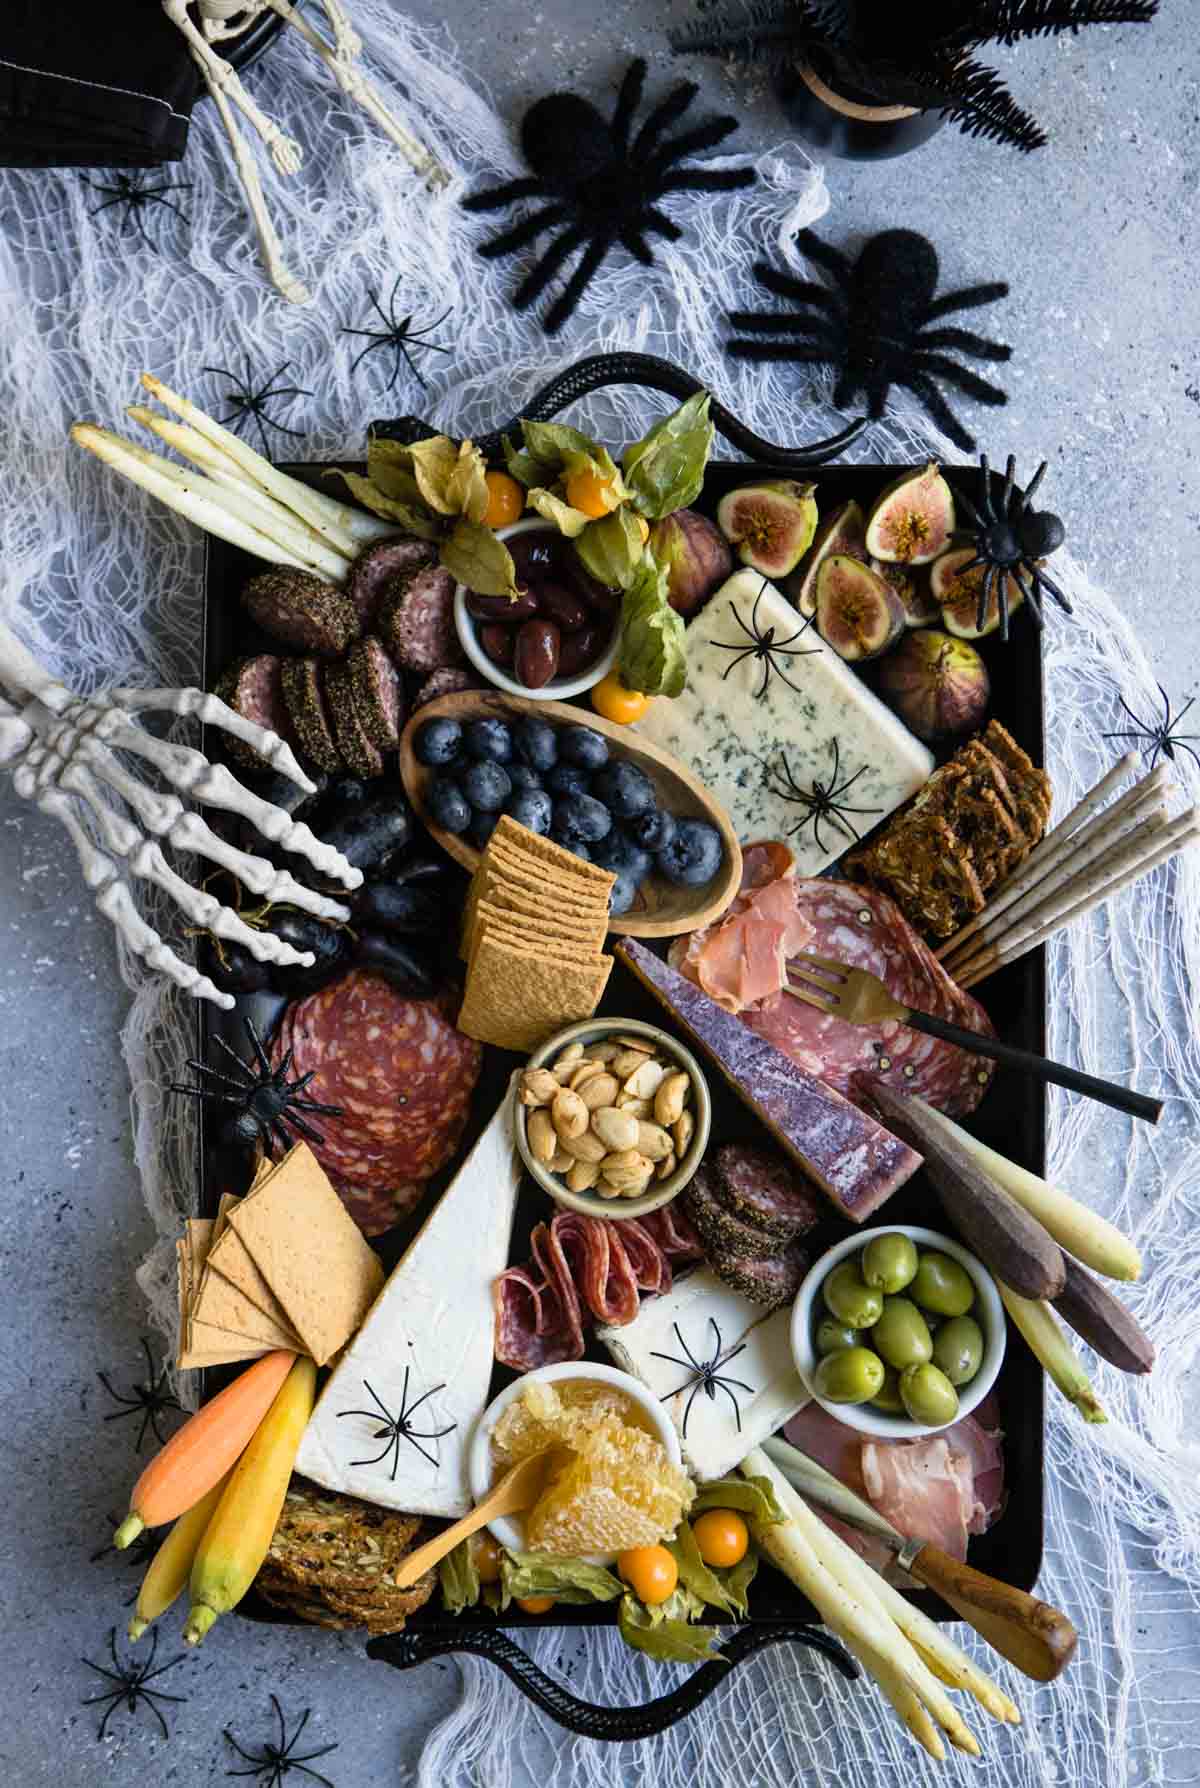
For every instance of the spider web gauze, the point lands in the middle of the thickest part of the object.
(81, 317)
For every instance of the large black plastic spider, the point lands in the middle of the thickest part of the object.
(1011, 539)
(706, 1375)
(1160, 735)
(250, 406)
(399, 335)
(149, 1400)
(824, 800)
(604, 187)
(398, 1427)
(131, 192)
(763, 647)
(268, 1106)
(872, 324)
(131, 1680)
(274, 1761)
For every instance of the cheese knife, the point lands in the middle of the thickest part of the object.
(1038, 1639)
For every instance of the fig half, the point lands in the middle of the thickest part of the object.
(841, 531)
(769, 525)
(858, 613)
(957, 591)
(912, 587)
(911, 521)
(936, 684)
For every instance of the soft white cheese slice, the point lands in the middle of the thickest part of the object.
(430, 1326)
(761, 1388)
(746, 724)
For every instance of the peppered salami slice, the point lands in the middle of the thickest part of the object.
(445, 682)
(302, 611)
(301, 678)
(417, 622)
(377, 691)
(772, 1280)
(362, 757)
(253, 689)
(764, 1190)
(380, 566)
(725, 1236)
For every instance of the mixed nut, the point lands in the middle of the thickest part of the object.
(611, 1116)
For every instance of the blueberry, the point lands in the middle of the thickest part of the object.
(487, 787)
(624, 788)
(618, 852)
(694, 854)
(481, 828)
(653, 831)
(522, 777)
(489, 740)
(448, 806)
(583, 746)
(536, 744)
(579, 816)
(575, 845)
(437, 743)
(567, 779)
(530, 807)
(624, 893)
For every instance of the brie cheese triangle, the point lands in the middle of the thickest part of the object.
(427, 1341)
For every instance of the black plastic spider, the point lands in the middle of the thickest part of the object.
(275, 1760)
(603, 187)
(269, 1106)
(1011, 538)
(399, 335)
(704, 1375)
(250, 406)
(872, 324)
(131, 1680)
(138, 1553)
(764, 647)
(1161, 737)
(150, 1400)
(823, 801)
(399, 1427)
(132, 192)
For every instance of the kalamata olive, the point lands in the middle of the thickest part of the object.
(499, 643)
(502, 608)
(901, 1337)
(422, 869)
(403, 967)
(368, 835)
(400, 907)
(942, 1285)
(535, 554)
(848, 1296)
(928, 1395)
(851, 1375)
(536, 658)
(329, 945)
(604, 598)
(557, 603)
(580, 649)
(230, 966)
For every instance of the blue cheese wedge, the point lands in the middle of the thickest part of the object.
(423, 1356)
(769, 713)
(753, 1387)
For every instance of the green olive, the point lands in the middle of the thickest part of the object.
(928, 1395)
(901, 1336)
(849, 1298)
(889, 1398)
(958, 1349)
(942, 1285)
(832, 1334)
(852, 1375)
(889, 1262)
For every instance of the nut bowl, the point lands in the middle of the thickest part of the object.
(659, 1192)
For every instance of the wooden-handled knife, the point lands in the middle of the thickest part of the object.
(1037, 1638)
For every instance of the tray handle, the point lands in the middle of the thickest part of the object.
(599, 370)
(404, 1651)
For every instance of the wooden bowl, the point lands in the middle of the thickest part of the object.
(662, 909)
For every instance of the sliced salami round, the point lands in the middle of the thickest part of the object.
(773, 1280)
(377, 690)
(445, 682)
(379, 567)
(361, 756)
(725, 1236)
(417, 622)
(253, 688)
(302, 611)
(305, 700)
(765, 1190)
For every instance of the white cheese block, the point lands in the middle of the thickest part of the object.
(761, 1388)
(430, 1326)
(745, 724)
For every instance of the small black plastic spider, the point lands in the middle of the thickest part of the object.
(132, 192)
(604, 187)
(138, 1553)
(399, 335)
(275, 1760)
(250, 406)
(763, 647)
(1161, 737)
(823, 801)
(269, 1106)
(131, 1680)
(399, 1427)
(872, 324)
(1011, 538)
(150, 1400)
(704, 1375)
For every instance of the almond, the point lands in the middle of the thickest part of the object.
(666, 1167)
(538, 1086)
(616, 1129)
(629, 1178)
(627, 1060)
(683, 1130)
(638, 1108)
(582, 1176)
(654, 1142)
(601, 1089)
(539, 1132)
(570, 1055)
(627, 1042)
(645, 1080)
(601, 1052)
(569, 1113)
(578, 1077)
(586, 1147)
(671, 1097)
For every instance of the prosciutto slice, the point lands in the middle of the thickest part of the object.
(583, 1268)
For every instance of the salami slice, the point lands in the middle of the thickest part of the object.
(445, 682)
(417, 622)
(525, 1336)
(650, 1267)
(726, 1237)
(378, 696)
(772, 1280)
(671, 1229)
(305, 700)
(379, 567)
(594, 1255)
(302, 611)
(763, 1188)
(562, 1311)
(583, 1268)
(362, 757)
(253, 688)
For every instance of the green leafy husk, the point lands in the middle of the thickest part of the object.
(525, 1574)
(474, 556)
(434, 462)
(543, 457)
(753, 1497)
(663, 1635)
(653, 656)
(665, 469)
(413, 519)
(390, 469)
(611, 550)
(568, 521)
(459, 1579)
(714, 1588)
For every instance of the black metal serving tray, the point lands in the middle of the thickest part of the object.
(1011, 1118)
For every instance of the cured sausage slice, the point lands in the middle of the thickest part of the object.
(362, 757)
(582, 1268)
(301, 610)
(764, 1190)
(417, 622)
(306, 709)
(252, 688)
(380, 566)
(445, 682)
(378, 697)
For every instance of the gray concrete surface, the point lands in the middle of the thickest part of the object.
(1098, 237)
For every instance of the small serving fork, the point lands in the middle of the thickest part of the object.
(859, 997)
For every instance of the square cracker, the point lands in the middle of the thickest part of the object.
(220, 1305)
(524, 884)
(310, 1252)
(544, 850)
(543, 910)
(518, 998)
(230, 1259)
(541, 930)
(508, 865)
(565, 955)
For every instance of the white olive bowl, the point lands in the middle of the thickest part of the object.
(558, 688)
(988, 1312)
(509, 1531)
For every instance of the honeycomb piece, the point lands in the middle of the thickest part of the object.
(619, 1490)
(549, 1415)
